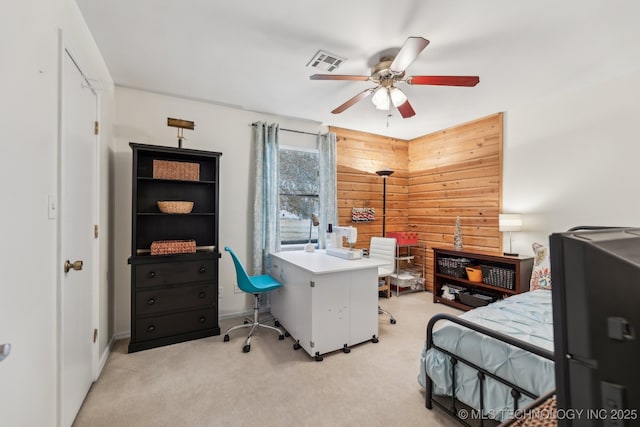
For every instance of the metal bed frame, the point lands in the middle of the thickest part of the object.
(455, 405)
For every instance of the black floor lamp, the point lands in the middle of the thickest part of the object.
(384, 173)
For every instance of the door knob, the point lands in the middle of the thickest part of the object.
(5, 349)
(77, 265)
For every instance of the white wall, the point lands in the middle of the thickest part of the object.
(28, 174)
(572, 159)
(141, 117)
(568, 160)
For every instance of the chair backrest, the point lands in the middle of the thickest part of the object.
(243, 278)
(384, 248)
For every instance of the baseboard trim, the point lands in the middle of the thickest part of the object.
(234, 315)
(104, 357)
(121, 335)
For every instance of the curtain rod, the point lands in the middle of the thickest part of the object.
(291, 130)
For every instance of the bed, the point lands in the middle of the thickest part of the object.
(500, 358)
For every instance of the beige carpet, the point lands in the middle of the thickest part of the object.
(211, 383)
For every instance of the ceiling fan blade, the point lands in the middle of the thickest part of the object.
(406, 110)
(353, 100)
(408, 53)
(444, 80)
(337, 77)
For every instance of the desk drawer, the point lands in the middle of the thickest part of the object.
(168, 273)
(176, 298)
(173, 324)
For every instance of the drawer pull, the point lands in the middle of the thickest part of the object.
(151, 301)
(202, 319)
(202, 294)
(151, 328)
(202, 269)
(151, 274)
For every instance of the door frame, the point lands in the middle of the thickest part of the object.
(66, 49)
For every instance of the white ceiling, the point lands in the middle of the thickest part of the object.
(253, 55)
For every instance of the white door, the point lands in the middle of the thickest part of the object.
(78, 169)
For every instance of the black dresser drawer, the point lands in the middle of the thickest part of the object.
(174, 298)
(168, 273)
(151, 328)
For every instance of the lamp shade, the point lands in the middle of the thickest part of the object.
(384, 172)
(397, 97)
(381, 99)
(510, 222)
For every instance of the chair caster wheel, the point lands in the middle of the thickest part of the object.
(246, 322)
(226, 338)
(346, 349)
(287, 334)
(393, 321)
(318, 357)
(281, 337)
(374, 339)
(277, 324)
(297, 346)
(246, 348)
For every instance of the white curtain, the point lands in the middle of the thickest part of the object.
(266, 227)
(328, 178)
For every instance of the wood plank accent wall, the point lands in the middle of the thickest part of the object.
(453, 173)
(359, 156)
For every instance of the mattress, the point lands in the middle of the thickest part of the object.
(526, 317)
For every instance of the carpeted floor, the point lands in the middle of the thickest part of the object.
(211, 383)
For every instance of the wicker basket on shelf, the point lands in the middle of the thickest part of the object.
(167, 247)
(453, 266)
(496, 276)
(175, 206)
(184, 171)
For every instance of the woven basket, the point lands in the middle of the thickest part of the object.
(175, 207)
(453, 266)
(183, 171)
(166, 247)
(496, 276)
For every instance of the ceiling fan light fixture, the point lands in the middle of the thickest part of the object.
(386, 73)
(397, 96)
(381, 98)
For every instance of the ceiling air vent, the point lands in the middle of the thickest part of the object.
(325, 61)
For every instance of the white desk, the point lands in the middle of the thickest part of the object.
(326, 303)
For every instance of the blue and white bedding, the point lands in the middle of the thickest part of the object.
(527, 317)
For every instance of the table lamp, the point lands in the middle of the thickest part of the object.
(510, 222)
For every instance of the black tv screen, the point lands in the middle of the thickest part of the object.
(595, 277)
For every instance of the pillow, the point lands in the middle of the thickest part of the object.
(541, 275)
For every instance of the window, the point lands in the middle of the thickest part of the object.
(299, 188)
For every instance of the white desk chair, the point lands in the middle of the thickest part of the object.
(384, 248)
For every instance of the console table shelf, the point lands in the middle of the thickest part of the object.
(516, 276)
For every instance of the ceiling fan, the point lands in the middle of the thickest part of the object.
(388, 72)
